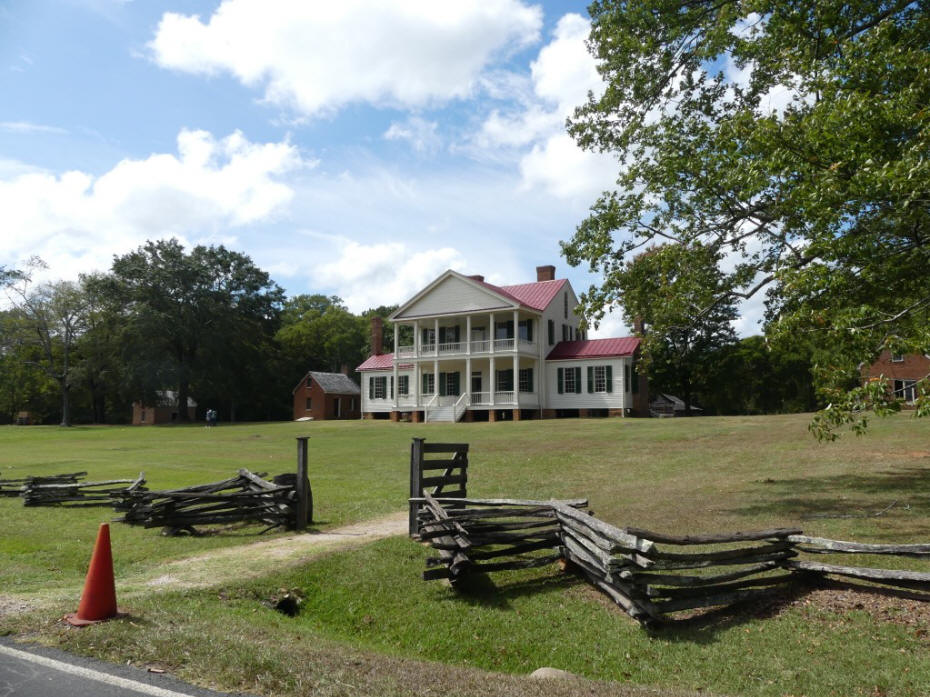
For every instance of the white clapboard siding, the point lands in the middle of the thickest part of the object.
(618, 399)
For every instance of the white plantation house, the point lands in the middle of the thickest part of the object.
(474, 351)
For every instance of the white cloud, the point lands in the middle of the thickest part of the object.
(316, 57)
(383, 273)
(76, 221)
(419, 132)
(26, 127)
(561, 77)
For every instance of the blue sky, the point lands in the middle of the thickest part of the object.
(356, 148)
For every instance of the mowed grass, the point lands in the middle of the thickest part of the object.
(368, 614)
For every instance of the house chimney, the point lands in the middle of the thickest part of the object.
(377, 336)
(545, 273)
(345, 369)
(477, 277)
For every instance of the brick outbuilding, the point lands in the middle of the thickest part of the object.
(902, 372)
(322, 396)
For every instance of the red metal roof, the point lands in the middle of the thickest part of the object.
(536, 296)
(594, 348)
(385, 361)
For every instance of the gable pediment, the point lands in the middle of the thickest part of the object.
(453, 294)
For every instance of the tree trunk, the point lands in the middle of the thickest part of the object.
(65, 402)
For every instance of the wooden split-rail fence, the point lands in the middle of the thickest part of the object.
(650, 575)
(246, 497)
(41, 492)
(15, 487)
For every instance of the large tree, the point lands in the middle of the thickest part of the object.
(671, 290)
(204, 315)
(794, 135)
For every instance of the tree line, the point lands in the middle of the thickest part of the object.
(205, 323)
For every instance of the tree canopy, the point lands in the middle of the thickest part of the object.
(792, 137)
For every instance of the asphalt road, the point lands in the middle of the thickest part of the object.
(33, 671)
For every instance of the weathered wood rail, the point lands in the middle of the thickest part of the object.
(14, 487)
(650, 575)
(246, 497)
(446, 468)
(39, 492)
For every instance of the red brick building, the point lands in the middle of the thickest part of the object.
(163, 410)
(320, 396)
(902, 372)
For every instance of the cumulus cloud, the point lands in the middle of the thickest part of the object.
(76, 221)
(383, 273)
(317, 57)
(562, 75)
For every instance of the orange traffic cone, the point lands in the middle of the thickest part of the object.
(98, 602)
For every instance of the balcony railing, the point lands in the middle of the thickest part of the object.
(479, 399)
(504, 397)
(461, 348)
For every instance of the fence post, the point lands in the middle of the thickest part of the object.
(416, 483)
(302, 485)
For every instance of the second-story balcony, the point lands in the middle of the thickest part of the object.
(462, 348)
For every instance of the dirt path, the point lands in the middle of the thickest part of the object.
(228, 564)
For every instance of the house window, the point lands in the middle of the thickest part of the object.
(429, 383)
(377, 387)
(429, 338)
(526, 379)
(565, 305)
(564, 332)
(569, 380)
(476, 382)
(525, 329)
(309, 404)
(403, 385)
(503, 330)
(505, 380)
(897, 358)
(906, 390)
(600, 378)
(352, 404)
(551, 332)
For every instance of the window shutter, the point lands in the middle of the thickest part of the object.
(610, 378)
(551, 332)
(442, 384)
(590, 378)
(561, 379)
(371, 388)
(392, 387)
(455, 335)
(529, 330)
(456, 386)
(578, 380)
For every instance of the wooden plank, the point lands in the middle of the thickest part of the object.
(517, 564)
(575, 503)
(643, 577)
(702, 564)
(704, 591)
(860, 572)
(747, 536)
(604, 559)
(416, 489)
(605, 529)
(443, 447)
(443, 464)
(515, 550)
(829, 546)
(720, 555)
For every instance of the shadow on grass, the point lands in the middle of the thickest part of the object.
(869, 494)
(480, 589)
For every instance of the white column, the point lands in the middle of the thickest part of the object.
(436, 335)
(492, 379)
(468, 335)
(468, 379)
(416, 338)
(396, 400)
(516, 332)
(416, 383)
(493, 334)
(436, 378)
(516, 378)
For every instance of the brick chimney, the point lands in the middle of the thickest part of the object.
(545, 273)
(377, 336)
(477, 277)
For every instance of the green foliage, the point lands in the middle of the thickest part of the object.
(825, 201)
(204, 318)
(673, 290)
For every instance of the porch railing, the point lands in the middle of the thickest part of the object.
(461, 404)
(503, 344)
(506, 397)
(462, 347)
(479, 399)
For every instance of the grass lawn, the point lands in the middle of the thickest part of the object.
(369, 622)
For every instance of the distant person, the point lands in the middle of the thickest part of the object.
(211, 417)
